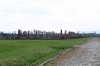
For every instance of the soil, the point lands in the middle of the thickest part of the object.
(87, 54)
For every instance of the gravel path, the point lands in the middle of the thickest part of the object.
(87, 54)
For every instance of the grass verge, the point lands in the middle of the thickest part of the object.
(33, 52)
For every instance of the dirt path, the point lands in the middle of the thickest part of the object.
(87, 54)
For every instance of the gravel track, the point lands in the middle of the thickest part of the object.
(87, 54)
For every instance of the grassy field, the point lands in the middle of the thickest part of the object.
(32, 52)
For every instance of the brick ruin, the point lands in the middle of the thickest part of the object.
(37, 34)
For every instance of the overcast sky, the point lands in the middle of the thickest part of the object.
(70, 15)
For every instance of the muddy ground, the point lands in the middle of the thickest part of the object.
(87, 54)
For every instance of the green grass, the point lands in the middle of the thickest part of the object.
(32, 52)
